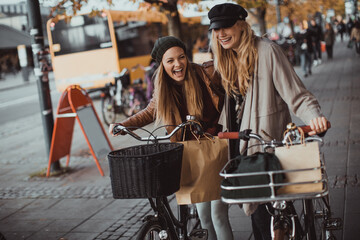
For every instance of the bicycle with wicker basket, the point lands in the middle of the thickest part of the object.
(153, 171)
(281, 186)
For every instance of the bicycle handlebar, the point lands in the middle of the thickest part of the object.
(198, 130)
(121, 74)
(292, 134)
(244, 135)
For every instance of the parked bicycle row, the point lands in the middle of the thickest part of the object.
(124, 97)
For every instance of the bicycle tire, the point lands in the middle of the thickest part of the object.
(150, 230)
(322, 212)
(108, 109)
(308, 218)
(2, 237)
(283, 225)
(316, 213)
(279, 234)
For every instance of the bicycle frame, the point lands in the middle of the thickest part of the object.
(171, 226)
(285, 221)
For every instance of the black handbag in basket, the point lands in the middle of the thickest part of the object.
(257, 162)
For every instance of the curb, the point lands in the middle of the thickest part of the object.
(17, 85)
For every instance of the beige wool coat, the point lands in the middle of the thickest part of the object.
(274, 91)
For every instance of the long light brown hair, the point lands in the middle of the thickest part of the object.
(238, 65)
(167, 99)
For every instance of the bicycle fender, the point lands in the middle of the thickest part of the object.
(155, 218)
(150, 218)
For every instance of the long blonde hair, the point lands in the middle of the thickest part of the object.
(236, 65)
(167, 98)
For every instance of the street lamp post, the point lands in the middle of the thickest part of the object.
(39, 55)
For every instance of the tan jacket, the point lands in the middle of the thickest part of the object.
(213, 84)
(355, 34)
(274, 90)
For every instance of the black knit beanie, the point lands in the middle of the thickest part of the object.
(163, 44)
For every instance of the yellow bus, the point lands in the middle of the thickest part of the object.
(87, 49)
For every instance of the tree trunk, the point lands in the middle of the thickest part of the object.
(174, 24)
(261, 12)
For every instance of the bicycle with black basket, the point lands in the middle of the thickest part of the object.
(153, 171)
(315, 220)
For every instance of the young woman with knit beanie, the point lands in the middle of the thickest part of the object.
(183, 88)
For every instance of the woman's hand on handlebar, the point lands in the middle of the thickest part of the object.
(111, 130)
(318, 125)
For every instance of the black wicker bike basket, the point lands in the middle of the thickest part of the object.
(146, 171)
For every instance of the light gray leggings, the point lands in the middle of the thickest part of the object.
(214, 216)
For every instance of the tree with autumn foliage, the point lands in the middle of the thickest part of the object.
(257, 8)
(168, 7)
(262, 10)
(297, 11)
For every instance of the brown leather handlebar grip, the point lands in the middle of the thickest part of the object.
(228, 135)
(307, 128)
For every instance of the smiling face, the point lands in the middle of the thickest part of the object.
(175, 63)
(229, 38)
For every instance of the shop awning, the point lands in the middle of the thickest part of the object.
(11, 37)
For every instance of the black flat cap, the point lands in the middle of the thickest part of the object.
(225, 15)
(163, 44)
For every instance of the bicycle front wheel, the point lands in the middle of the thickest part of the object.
(318, 213)
(152, 230)
(108, 109)
(324, 222)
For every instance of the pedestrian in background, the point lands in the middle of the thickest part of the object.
(305, 48)
(341, 28)
(257, 76)
(329, 38)
(183, 88)
(316, 36)
(355, 36)
(349, 26)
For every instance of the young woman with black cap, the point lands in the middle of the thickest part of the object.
(261, 87)
(183, 88)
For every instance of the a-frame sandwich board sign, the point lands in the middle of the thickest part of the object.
(75, 103)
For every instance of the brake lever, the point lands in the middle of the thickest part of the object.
(245, 134)
(116, 129)
(314, 138)
(119, 128)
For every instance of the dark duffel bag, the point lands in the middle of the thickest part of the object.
(258, 162)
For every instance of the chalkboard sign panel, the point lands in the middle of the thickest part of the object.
(93, 131)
